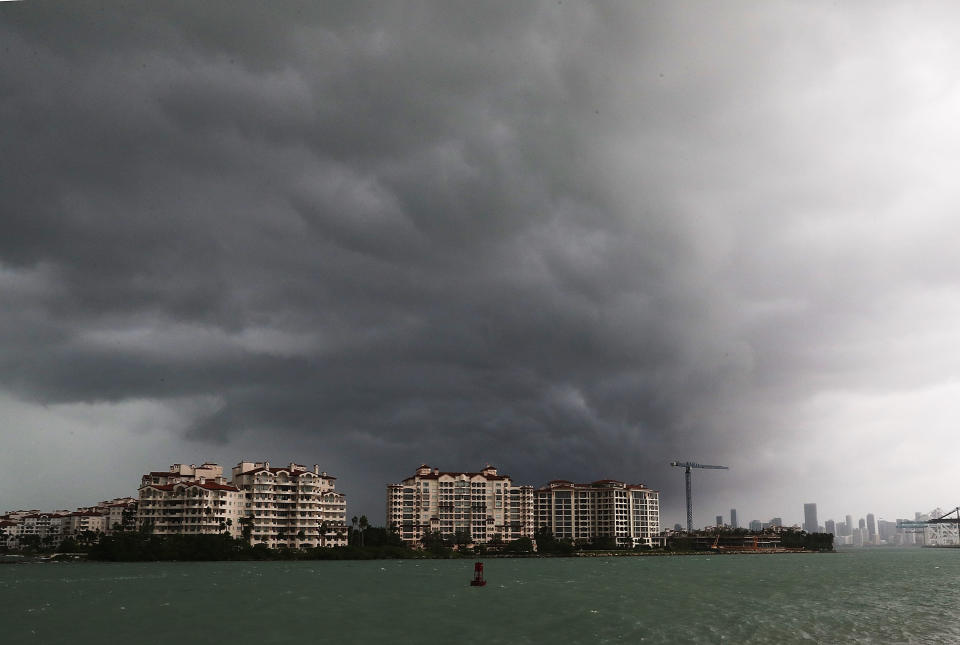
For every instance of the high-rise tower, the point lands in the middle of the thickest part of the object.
(810, 524)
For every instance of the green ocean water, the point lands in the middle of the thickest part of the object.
(858, 596)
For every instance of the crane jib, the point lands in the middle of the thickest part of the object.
(687, 465)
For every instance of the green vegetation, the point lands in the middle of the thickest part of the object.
(365, 542)
(138, 547)
(548, 544)
(808, 541)
(791, 539)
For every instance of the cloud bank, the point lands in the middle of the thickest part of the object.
(575, 241)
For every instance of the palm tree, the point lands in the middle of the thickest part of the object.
(323, 533)
(246, 524)
(363, 528)
(353, 521)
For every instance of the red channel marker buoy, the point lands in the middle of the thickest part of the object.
(478, 580)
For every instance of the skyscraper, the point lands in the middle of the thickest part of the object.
(810, 524)
(886, 530)
(719, 520)
(830, 527)
(872, 528)
(849, 525)
(733, 519)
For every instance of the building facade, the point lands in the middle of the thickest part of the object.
(48, 529)
(810, 523)
(485, 505)
(188, 507)
(292, 505)
(628, 513)
(286, 506)
(184, 473)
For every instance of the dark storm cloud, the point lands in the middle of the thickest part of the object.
(520, 233)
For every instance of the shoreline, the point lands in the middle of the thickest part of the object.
(81, 558)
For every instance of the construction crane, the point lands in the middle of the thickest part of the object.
(687, 465)
(938, 538)
(917, 526)
(944, 516)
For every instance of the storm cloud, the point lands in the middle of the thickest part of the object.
(574, 240)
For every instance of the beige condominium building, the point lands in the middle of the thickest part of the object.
(286, 506)
(484, 504)
(50, 528)
(189, 500)
(292, 505)
(628, 513)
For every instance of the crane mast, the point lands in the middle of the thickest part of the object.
(687, 465)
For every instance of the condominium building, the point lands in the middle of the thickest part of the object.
(191, 507)
(119, 515)
(482, 504)
(51, 527)
(292, 505)
(287, 506)
(48, 527)
(9, 533)
(185, 473)
(80, 522)
(628, 513)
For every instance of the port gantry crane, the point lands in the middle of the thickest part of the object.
(920, 526)
(687, 465)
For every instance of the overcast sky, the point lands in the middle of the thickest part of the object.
(573, 240)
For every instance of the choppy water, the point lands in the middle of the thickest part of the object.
(863, 596)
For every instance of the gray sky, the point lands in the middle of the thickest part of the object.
(573, 240)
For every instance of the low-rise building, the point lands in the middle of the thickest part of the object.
(80, 522)
(49, 527)
(627, 513)
(484, 505)
(119, 515)
(9, 533)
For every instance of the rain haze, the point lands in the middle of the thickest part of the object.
(572, 240)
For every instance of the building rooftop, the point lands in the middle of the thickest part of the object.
(286, 469)
(192, 484)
